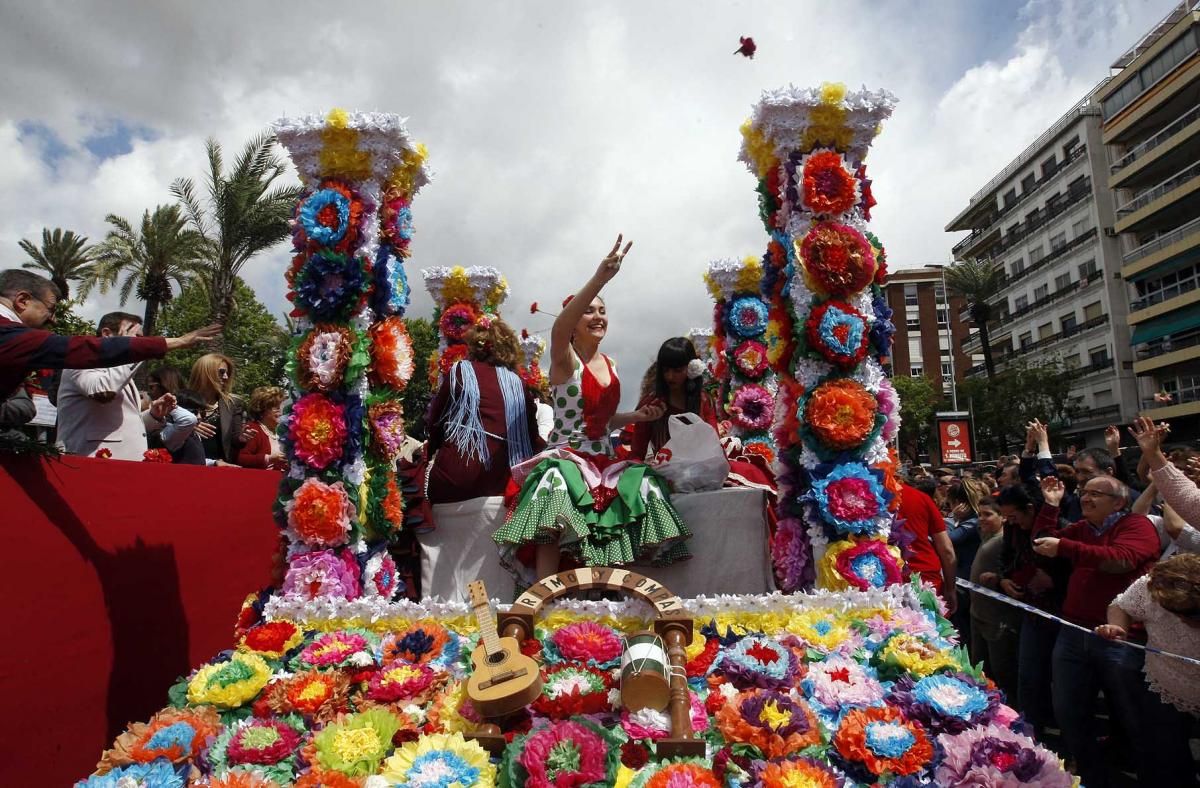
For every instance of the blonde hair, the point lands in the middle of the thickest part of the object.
(205, 381)
(975, 492)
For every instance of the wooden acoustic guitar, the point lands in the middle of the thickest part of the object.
(503, 680)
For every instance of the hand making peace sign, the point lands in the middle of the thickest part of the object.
(611, 264)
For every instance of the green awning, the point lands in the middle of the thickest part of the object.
(1171, 323)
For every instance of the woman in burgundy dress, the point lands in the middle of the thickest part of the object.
(482, 420)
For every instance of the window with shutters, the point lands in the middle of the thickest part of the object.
(1058, 241)
(1045, 330)
(1040, 292)
(1036, 254)
(1092, 311)
(1062, 281)
(1069, 323)
(1020, 302)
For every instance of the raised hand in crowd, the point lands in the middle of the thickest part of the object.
(1149, 437)
(1112, 440)
(611, 264)
(1053, 490)
(162, 406)
(201, 336)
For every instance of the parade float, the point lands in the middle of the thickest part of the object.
(332, 679)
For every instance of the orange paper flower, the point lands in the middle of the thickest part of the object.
(883, 740)
(320, 514)
(829, 188)
(841, 414)
(773, 721)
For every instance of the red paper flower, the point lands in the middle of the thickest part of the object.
(104, 454)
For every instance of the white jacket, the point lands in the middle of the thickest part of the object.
(86, 426)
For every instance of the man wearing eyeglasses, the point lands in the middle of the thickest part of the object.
(1108, 549)
(27, 303)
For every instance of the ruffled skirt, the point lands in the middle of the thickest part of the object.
(600, 516)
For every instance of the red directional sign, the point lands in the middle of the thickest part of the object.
(954, 440)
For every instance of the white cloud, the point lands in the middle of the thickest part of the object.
(551, 127)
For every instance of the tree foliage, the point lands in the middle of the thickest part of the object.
(63, 257)
(254, 340)
(1003, 405)
(243, 212)
(162, 251)
(69, 324)
(418, 392)
(919, 400)
(978, 281)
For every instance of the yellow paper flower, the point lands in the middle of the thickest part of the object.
(355, 744)
(449, 756)
(824, 628)
(759, 150)
(916, 656)
(625, 777)
(340, 154)
(230, 684)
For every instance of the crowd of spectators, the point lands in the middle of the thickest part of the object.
(1091, 541)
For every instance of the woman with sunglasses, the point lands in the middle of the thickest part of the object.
(223, 418)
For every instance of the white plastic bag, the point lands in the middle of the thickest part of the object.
(693, 459)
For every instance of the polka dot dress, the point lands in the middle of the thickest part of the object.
(569, 428)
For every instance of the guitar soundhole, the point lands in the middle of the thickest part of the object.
(497, 658)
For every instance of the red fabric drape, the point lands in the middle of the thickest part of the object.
(118, 577)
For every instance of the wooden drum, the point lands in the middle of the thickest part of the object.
(645, 673)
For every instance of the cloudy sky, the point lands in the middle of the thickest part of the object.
(551, 126)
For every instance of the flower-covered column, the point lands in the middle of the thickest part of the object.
(740, 321)
(533, 347)
(351, 357)
(460, 297)
(823, 278)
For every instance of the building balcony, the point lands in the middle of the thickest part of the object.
(1074, 197)
(1166, 353)
(1093, 417)
(1157, 199)
(1054, 255)
(1170, 299)
(1186, 404)
(974, 240)
(1046, 342)
(1149, 158)
(1161, 249)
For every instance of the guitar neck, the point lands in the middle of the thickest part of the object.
(487, 628)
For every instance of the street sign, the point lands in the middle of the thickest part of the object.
(954, 438)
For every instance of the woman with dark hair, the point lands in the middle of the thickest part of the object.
(482, 420)
(676, 384)
(164, 379)
(262, 449)
(1038, 581)
(578, 497)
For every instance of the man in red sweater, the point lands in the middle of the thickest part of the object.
(27, 303)
(933, 554)
(1108, 549)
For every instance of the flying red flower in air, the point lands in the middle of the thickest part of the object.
(533, 308)
(747, 48)
(524, 333)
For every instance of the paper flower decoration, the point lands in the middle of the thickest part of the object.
(320, 514)
(456, 321)
(175, 735)
(440, 761)
(271, 639)
(589, 643)
(838, 333)
(331, 216)
(652, 724)
(752, 407)
(838, 682)
(773, 721)
(750, 359)
(882, 741)
(993, 755)
(851, 498)
(840, 415)
(322, 574)
(421, 643)
(231, 683)
(324, 355)
(758, 661)
(945, 703)
(838, 260)
(396, 223)
(795, 771)
(380, 577)
(317, 430)
(356, 744)
(343, 648)
(403, 682)
(678, 773)
(327, 286)
(317, 695)
(264, 745)
(860, 564)
(827, 184)
(747, 317)
(160, 774)
(916, 656)
(392, 293)
(572, 753)
(392, 360)
(569, 690)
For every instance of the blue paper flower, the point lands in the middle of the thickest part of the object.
(330, 286)
(747, 317)
(950, 696)
(883, 328)
(310, 216)
(889, 739)
(852, 499)
(156, 774)
(392, 294)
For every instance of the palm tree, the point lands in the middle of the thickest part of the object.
(978, 281)
(243, 214)
(63, 256)
(163, 250)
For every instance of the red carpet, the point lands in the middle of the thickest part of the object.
(118, 578)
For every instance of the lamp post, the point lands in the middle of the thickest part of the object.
(949, 336)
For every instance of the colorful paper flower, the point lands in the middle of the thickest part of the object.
(320, 696)
(851, 498)
(317, 430)
(758, 661)
(797, 772)
(838, 260)
(750, 359)
(772, 721)
(945, 703)
(569, 690)
(324, 355)
(392, 359)
(860, 563)
(231, 683)
(272, 639)
(994, 756)
(327, 286)
(356, 744)
(161, 456)
(653, 724)
(838, 681)
(746, 317)
(914, 655)
(678, 773)
(320, 514)
(322, 574)
(440, 761)
(571, 753)
(422, 642)
(822, 630)
(841, 415)
(391, 294)
(343, 648)
(827, 183)
(589, 643)
(175, 735)
(403, 682)
(386, 417)
(752, 407)
(381, 577)
(396, 222)
(456, 321)
(838, 333)
(266, 746)
(159, 774)
(331, 216)
(449, 357)
(882, 741)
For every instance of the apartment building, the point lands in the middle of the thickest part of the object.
(927, 327)
(1046, 221)
(1151, 123)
